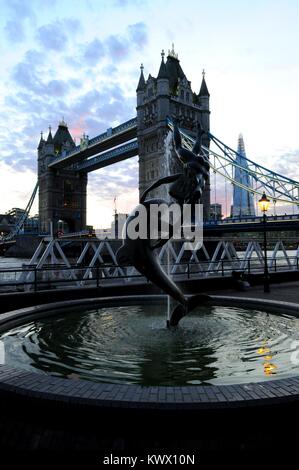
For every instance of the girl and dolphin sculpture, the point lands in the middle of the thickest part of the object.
(185, 188)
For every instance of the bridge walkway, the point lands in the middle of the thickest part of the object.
(285, 292)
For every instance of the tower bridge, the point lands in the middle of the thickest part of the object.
(111, 138)
(63, 167)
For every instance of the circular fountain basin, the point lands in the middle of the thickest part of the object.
(235, 352)
(130, 345)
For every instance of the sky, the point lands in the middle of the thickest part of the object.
(80, 59)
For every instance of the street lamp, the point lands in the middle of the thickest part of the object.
(264, 203)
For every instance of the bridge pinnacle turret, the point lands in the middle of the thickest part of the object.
(62, 138)
(141, 83)
(62, 123)
(204, 99)
(203, 89)
(171, 53)
(50, 138)
(41, 142)
(163, 70)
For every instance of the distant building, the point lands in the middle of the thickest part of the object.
(215, 211)
(16, 212)
(118, 224)
(9, 221)
(7, 224)
(243, 204)
(103, 233)
(115, 231)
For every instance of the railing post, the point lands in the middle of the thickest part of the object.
(188, 270)
(222, 268)
(35, 279)
(248, 261)
(98, 277)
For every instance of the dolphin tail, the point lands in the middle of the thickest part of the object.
(180, 310)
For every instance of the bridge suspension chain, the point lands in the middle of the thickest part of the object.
(278, 187)
(21, 221)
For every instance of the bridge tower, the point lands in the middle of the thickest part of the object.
(170, 94)
(62, 193)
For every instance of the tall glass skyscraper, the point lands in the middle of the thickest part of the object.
(243, 204)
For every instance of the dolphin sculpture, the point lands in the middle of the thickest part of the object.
(142, 253)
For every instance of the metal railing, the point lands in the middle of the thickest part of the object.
(55, 276)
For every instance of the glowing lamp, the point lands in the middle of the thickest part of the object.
(264, 203)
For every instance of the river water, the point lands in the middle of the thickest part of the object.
(6, 263)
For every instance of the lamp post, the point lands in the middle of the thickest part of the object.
(264, 203)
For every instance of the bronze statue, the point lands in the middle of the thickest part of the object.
(186, 188)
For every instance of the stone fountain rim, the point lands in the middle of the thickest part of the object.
(104, 395)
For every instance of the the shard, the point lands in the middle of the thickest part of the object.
(243, 204)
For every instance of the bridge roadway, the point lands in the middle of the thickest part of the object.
(111, 138)
(254, 224)
(212, 230)
(108, 158)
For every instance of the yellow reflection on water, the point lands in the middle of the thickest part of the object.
(263, 350)
(269, 367)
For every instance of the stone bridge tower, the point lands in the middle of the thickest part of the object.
(169, 94)
(62, 193)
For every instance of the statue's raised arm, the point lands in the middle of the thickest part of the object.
(189, 188)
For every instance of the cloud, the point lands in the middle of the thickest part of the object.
(34, 57)
(138, 34)
(56, 88)
(54, 36)
(14, 28)
(20, 8)
(110, 70)
(25, 76)
(287, 164)
(94, 51)
(29, 74)
(118, 47)
(14, 31)
(119, 179)
(127, 3)
(110, 51)
(92, 100)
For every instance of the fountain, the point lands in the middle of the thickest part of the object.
(111, 360)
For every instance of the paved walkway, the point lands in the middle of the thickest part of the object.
(287, 292)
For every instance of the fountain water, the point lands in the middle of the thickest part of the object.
(167, 170)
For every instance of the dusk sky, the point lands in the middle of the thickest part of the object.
(80, 59)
